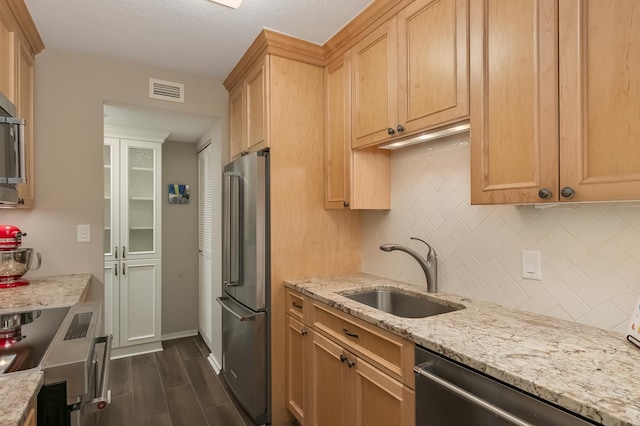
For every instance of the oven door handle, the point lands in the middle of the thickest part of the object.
(103, 398)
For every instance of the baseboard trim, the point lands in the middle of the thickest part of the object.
(214, 363)
(179, 334)
(136, 350)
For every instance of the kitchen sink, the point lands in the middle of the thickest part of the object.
(401, 304)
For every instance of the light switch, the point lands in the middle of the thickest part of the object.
(84, 233)
(531, 265)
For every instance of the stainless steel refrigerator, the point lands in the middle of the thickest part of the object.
(246, 283)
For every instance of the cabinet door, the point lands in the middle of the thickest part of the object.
(257, 95)
(297, 336)
(112, 274)
(433, 66)
(24, 105)
(374, 86)
(140, 301)
(237, 120)
(337, 135)
(110, 158)
(514, 101)
(7, 57)
(329, 384)
(599, 108)
(140, 169)
(379, 399)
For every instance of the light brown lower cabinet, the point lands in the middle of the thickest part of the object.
(332, 383)
(297, 337)
(31, 417)
(347, 390)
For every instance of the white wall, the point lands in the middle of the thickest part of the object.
(590, 251)
(70, 91)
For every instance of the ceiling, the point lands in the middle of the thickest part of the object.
(192, 36)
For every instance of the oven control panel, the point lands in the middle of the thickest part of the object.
(79, 326)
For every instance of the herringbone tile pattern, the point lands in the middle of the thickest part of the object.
(590, 251)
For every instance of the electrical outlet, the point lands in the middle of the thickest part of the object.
(531, 265)
(84, 233)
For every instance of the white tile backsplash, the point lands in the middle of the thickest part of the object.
(590, 251)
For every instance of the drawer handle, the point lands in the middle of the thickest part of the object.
(303, 332)
(343, 358)
(350, 334)
(296, 305)
(350, 363)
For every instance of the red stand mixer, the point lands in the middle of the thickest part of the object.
(14, 261)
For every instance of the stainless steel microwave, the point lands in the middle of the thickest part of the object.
(12, 155)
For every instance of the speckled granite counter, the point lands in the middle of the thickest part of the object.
(17, 391)
(41, 293)
(590, 371)
(48, 292)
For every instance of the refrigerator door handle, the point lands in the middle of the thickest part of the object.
(232, 231)
(239, 317)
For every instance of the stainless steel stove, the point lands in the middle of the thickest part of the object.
(62, 342)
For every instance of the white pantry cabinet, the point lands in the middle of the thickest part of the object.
(132, 239)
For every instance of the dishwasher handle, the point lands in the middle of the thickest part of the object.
(421, 369)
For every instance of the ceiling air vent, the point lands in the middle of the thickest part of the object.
(166, 90)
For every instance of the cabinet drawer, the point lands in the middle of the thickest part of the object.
(295, 304)
(385, 350)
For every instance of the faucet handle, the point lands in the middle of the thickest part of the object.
(432, 253)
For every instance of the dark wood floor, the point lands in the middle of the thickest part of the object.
(174, 387)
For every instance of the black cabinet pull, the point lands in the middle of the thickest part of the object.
(391, 131)
(296, 305)
(343, 358)
(350, 363)
(400, 128)
(345, 204)
(303, 332)
(544, 193)
(567, 192)
(350, 334)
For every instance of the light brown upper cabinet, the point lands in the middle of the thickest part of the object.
(411, 73)
(554, 101)
(19, 44)
(599, 102)
(356, 179)
(249, 111)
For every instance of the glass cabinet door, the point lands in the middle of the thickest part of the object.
(141, 214)
(111, 198)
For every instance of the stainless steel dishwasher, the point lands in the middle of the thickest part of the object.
(451, 394)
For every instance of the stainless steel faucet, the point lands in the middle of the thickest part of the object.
(429, 265)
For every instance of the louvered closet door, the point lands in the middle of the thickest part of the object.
(205, 243)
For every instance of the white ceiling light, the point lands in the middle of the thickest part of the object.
(229, 3)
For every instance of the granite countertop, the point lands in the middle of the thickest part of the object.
(17, 390)
(587, 370)
(48, 292)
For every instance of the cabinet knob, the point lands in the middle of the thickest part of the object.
(343, 358)
(303, 332)
(345, 204)
(567, 192)
(350, 363)
(400, 128)
(391, 131)
(20, 201)
(544, 193)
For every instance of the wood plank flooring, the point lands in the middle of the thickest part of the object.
(175, 387)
